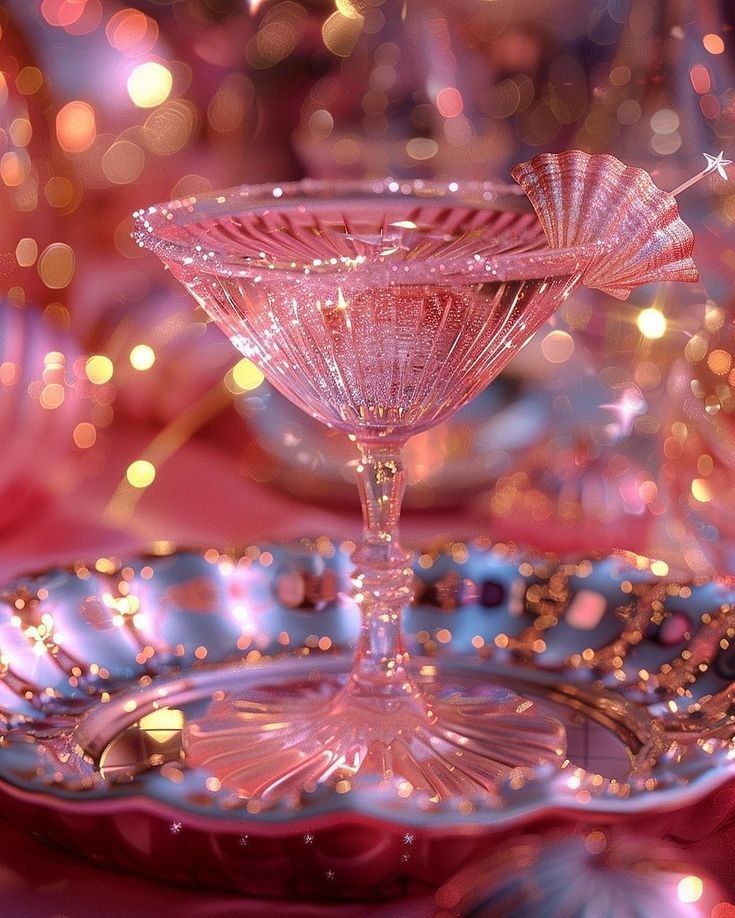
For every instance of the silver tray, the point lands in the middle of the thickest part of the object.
(101, 665)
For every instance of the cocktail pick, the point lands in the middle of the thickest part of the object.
(595, 198)
(714, 164)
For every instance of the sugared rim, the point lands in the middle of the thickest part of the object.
(150, 224)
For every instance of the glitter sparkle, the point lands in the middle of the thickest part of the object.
(175, 828)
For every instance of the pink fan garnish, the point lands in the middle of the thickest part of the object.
(584, 198)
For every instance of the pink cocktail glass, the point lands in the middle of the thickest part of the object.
(381, 308)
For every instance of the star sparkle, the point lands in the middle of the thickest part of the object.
(175, 828)
(717, 164)
(626, 409)
(714, 164)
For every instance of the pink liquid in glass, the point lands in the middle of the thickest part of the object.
(380, 319)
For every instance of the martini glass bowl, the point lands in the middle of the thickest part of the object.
(380, 308)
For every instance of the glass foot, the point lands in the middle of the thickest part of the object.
(443, 742)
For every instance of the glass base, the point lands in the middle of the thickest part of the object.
(437, 740)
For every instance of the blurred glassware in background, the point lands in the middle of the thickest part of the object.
(698, 467)
(666, 98)
(449, 89)
(110, 102)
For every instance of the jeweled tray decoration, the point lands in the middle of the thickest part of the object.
(105, 666)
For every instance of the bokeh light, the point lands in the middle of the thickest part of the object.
(713, 43)
(142, 357)
(76, 127)
(99, 369)
(245, 376)
(149, 84)
(690, 889)
(141, 473)
(56, 265)
(652, 323)
(85, 435)
(557, 346)
(131, 32)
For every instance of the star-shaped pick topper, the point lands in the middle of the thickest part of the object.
(714, 164)
(717, 164)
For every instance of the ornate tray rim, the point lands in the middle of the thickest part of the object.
(545, 799)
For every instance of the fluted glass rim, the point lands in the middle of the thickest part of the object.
(150, 224)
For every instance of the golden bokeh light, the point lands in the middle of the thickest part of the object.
(29, 80)
(131, 32)
(230, 103)
(169, 128)
(14, 167)
(52, 396)
(701, 491)
(245, 376)
(77, 17)
(705, 465)
(99, 369)
(21, 132)
(149, 84)
(56, 265)
(59, 191)
(557, 346)
(123, 162)
(719, 361)
(85, 435)
(652, 323)
(353, 9)
(57, 314)
(142, 357)
(690, 889)
(9, 373)
(26, 252)
(346, 151)
(76, 127)
(422, 148)
(713, 43)
(340, 33)
(54, 360)
(141, 473)
(192, 184)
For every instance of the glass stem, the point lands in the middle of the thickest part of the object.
(383, 579)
